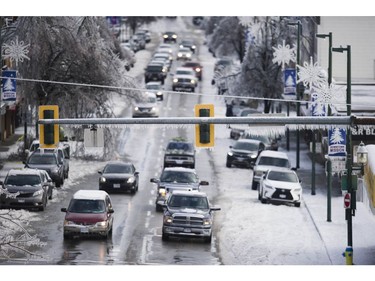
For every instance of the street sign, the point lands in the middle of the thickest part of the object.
(337, 142)
(347, 200)
(9, 85)
(290, 83)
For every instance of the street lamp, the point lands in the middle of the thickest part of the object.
(329, 163)
(362, 154)
(349, 212)
(299, 33)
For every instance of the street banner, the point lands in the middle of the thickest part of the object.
(317, 108)
(290, 81)
(8, 85)
(337, 142)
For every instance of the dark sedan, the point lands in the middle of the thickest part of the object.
(118, 176)
(244, 153)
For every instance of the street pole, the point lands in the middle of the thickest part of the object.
(313, 164)
(329, 113)
(349, 212)
(298, 98)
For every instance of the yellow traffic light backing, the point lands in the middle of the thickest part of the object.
(204, 133)
(48, 133)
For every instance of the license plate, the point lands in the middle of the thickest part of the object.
(282, 196)
(116, 185)
(187, 230)
(21, 200)
(84, 230)
(179, 161)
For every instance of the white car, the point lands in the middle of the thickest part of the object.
(187, 71)
(266, 160)
(156, 87)
(184, 54)
(147, 106)
(280, 185)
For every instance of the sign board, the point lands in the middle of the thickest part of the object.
(318, 147)
(366, 135)
(347, 200)
(290, 83)
(9, 85)
(338, 164)
(93, 138)
(337, 142)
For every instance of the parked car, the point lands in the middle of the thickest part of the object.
(184, 54)
(26, 188)
(188, 214)
(63, 155)
(280, 185)
(223, 63)
(143, 35)
(244, 153)
(175, 178)
(179, 153)
(129, 55)
(157, 88)
(271, 143)
(50, 161)
(119, 176)
(140, 40)
(197, 67)
(155, 72)
(170, 37)
(268, 159)
(90, 213)
(147, 106)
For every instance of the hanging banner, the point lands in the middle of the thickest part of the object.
(290, 81)
(337, 142)
(9, 85)
(317, 108)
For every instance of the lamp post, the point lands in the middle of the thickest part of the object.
(349, 212)
(299, 33)
(329, 163)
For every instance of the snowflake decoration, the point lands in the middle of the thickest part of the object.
(328, 94)
(283, 54)
(246, 21)
(16, 51)
(310, 74)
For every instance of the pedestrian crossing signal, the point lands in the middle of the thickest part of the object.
(204, 133)
(48, 133)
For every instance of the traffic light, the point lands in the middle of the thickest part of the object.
(48, 133)
(204, 133)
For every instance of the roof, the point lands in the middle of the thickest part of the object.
(25, 171)
(189, 193)
(118, 162)
(249, 141)
(272, 153)
(181, 169)
(90, 194)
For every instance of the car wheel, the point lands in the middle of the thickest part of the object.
(254, 185)
(297, 204)
(228, 164)
(259, 197)
(208, 239)
(66, 236)
(158, 208)
(262, 199)
(50, 195)
(164, 237)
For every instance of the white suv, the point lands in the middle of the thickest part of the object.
(268, 159)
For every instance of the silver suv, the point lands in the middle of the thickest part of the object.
(188, 214)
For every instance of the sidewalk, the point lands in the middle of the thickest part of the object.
(9, 146)
(334, 233)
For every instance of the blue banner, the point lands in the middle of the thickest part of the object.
(337, 142)
(9, 85)
(290, 81)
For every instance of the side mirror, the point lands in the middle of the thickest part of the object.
(203, 183)
(154, 180)
(64, 210)
(294, 169)
(111, 211)
(100, 172)
(136, 173)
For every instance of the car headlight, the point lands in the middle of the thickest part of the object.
(102, 179)
(298, 189)
(253, 156)
(131, 180)
(174, 36)
(188, 55)
(198, 69)
(37, 193)
(193, 47)
(207, 222)
(230, 153)
(192, 81)
(162, 191)
(66, 222)
(102, 223)
(175, 80)
(168, 219)
(179, 55)
(136, 108)
(165, 36)
(268, 186)
(181, 46)
(153, 109)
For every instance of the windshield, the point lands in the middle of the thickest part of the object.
(180, 146)
(271, 161)
(86, 206)
(20, 180)
(116, 169)
(184, 72)
(152, 87)
(179, 177)
(178, 201)
(42, 159)
(246, 146)
(282, 176)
